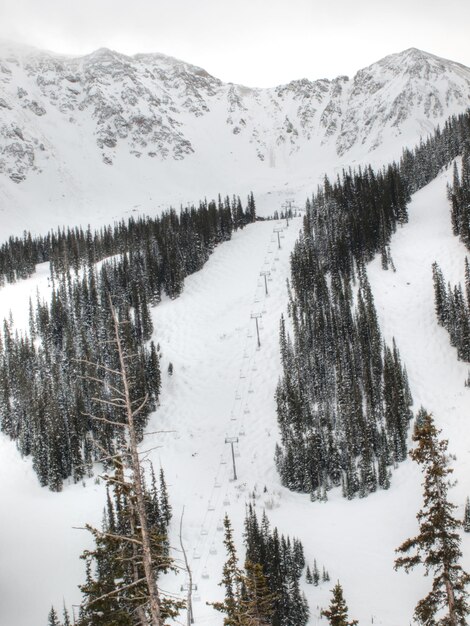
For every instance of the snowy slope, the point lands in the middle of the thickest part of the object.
(223, 386)
(93, 138)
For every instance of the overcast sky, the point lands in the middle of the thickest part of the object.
(254, 42)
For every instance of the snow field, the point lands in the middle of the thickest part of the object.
(356, 540)
(223, 386)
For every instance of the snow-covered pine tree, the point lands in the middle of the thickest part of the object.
(283, 562)
(308, 576)
(315, 573)
(53, 619)
(466, 517)
(437, 546)
(440, 294)
(337, 612)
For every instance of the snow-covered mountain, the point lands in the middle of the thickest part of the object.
(91, 138)
(102, 134)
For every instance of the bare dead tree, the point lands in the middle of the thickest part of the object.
(129, 476)
(137, 479)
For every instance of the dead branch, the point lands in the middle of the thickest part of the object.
(104, 419)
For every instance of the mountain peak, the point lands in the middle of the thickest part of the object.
(414, 58)
(154, 113)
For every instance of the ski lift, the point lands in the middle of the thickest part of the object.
(205, 573)
(246, 411)
(196, 555)
(217, 484)
(242, 432)
(210, 507)
(220, 525)
(212, 549)
(226, 501)
(204, 531)
(251, 390)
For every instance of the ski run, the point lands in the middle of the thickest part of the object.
(222, 391)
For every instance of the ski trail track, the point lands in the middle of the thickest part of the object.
(224, 386)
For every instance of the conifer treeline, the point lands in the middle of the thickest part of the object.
(46, 387)
(354, 218)
(283, 562)
(459, 196)
(452, 306)
(50, 377)
(110, 597)
(343, 401)
(114, 590)
(266, 591)
(184, 239)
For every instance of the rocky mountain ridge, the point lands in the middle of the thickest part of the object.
(69, 118)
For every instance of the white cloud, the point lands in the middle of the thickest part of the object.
(256, 42)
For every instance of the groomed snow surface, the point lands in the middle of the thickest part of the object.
(223, 386)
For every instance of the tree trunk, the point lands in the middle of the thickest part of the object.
(450, 599)
(154, 600)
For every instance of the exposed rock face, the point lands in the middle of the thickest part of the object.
(149, 106)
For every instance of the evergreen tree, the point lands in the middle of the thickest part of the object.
(437, 546)
(466, 519)
(53, 620)
(337, 612)
(440, 295)
(315, 574)
(257, 603)
(282, 562)
(251, 209)
(66, 618)
(308, 576)
(232, 579)
(164, 501)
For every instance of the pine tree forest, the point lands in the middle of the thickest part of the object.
(46, 391)
(266, 592)
(343, 401)
(459, 196)
(452, 305)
